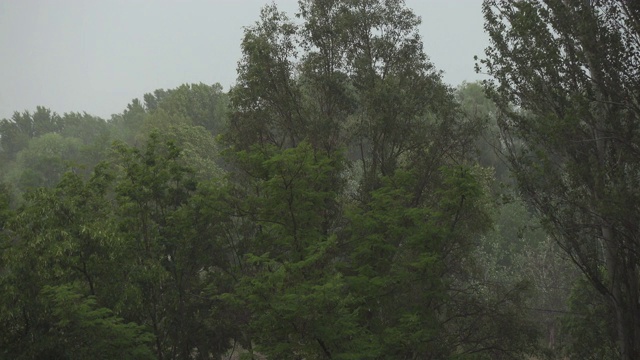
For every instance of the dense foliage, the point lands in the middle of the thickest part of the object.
(340, 201)
(566, 83)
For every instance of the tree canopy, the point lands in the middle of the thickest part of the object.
(341, 201)
(566, 82)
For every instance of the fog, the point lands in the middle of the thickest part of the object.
(95, 56)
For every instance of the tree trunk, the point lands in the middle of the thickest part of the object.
(624, 298)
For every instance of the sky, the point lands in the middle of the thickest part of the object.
(98, 55)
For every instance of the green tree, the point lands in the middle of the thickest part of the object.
(362, 83)
(198, 146)
(590, 324)
(44, 161)
(517, 253)
(565, 81)
(133, 254)
(80, 329)
(402, 209)
(59, 276)
(400, 263)
(126, 126)
(191, 115)
(78, 143)
(16, 132)
(5, 206)
(478, 107)
(299, 303)
(172, 250)
(204, 105)
(94, 133)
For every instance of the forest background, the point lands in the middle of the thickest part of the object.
(341, 201)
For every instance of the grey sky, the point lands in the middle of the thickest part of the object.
(95, 56)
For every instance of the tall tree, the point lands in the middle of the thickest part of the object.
(173, 253)
(353, 174)
(566, 80)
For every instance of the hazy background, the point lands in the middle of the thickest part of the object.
(95, 56)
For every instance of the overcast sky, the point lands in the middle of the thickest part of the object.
(97, 55)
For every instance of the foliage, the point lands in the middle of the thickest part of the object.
(74, 327)
(128, 124)
(199, 148)
(590, 325)
(16, 132)
(351, 87)
(566, 81)
(399, 266)
(60, 237)
(203, 105)
(53, 145)
(299, 303)
(80, 328)
(125, 248)
(479, 108)
(168, 258)
(359, 210)
(43, 162)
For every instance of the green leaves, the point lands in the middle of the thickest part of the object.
(404, 261)
(352, 177)
(347, 221)
(564, 79)
(298, 302)
(83, 330)
(126, 255)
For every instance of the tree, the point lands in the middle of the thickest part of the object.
(391, 223)
(60, 277)
(53, 145)
(199, 147)
(80, 329)
(16, 132)
(590, 324)
(44, 161)
(299, 302)
(566, 82)
(126, 126)
(406, 265)
(192, 115)
(133, 254)
(517, 253)
(477, 106)
(362, 83)
(173, 251)
(204, 105)
(94, 133)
